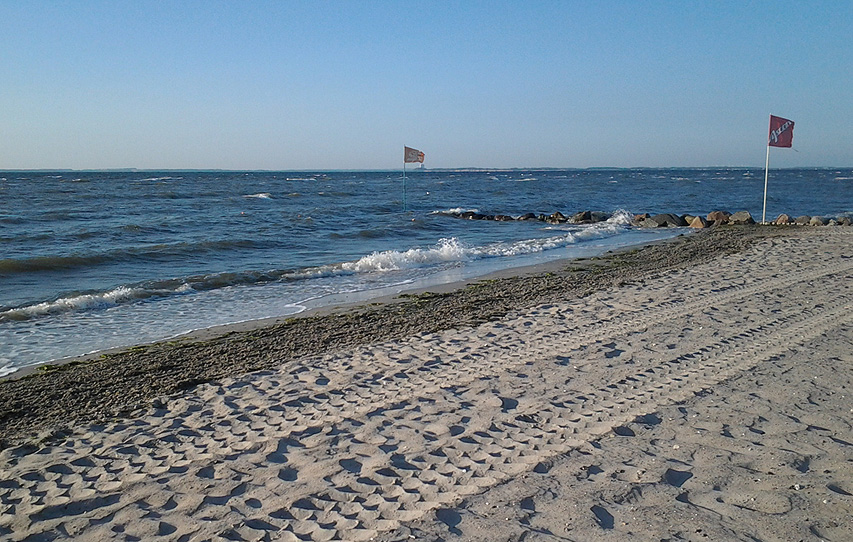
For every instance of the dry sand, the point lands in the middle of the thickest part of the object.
(703, 403)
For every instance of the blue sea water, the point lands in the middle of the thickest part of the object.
(97, 260)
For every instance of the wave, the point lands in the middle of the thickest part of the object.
(452, 250)
(141, 292)
(445, 251)
(263, 195)
(133, 293)
(73, 303)
(12, 219)
(49, 263)
(151, 253)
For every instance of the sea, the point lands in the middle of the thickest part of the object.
(98, 260)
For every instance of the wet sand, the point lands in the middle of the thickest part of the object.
(692, 390)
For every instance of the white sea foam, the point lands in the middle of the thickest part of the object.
(446, 250)
(263, 195)
(74, 303)
(453, 250)
(455, 211)
(621, 217)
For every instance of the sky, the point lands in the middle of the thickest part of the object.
(289, 84)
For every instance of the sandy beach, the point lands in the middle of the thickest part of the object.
(693, 390)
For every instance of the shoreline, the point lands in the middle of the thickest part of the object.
(120, 335)
(108, 384)
(336, 304)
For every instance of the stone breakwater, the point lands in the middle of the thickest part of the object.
(662, 220)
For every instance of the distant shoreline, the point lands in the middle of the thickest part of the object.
(427, 169)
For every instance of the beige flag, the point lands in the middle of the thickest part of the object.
(411, 155)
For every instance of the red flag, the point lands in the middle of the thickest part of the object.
(781, 132)
(411, 155)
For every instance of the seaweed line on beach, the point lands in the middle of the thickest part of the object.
(43, 405)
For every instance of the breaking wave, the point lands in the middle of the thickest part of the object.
(453, 250)
(72, 303)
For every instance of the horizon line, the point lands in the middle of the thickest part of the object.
(466, 168)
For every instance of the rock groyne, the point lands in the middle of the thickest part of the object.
(661, 220)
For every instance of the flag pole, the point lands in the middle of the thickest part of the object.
(781, 134)
(766, 168)
(404, 185)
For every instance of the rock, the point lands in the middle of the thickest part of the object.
(528, 216)
(649, 223)
(557, 218)
(687, 218)
(698, 222)
(803, 220)
(668, 219)
(471, 215)
(844, 221)
(832, 222)
(783, 219)
(638, 219)
(504, 218)
(741, 217)
(600, 216)
(818, 221)
(583, 217)
(720, 217)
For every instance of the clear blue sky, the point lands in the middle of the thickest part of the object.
(344, 85)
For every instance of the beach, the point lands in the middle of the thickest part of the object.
(694, 389)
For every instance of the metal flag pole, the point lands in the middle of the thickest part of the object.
(766, 169)
(781, 134)
(404, 182)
